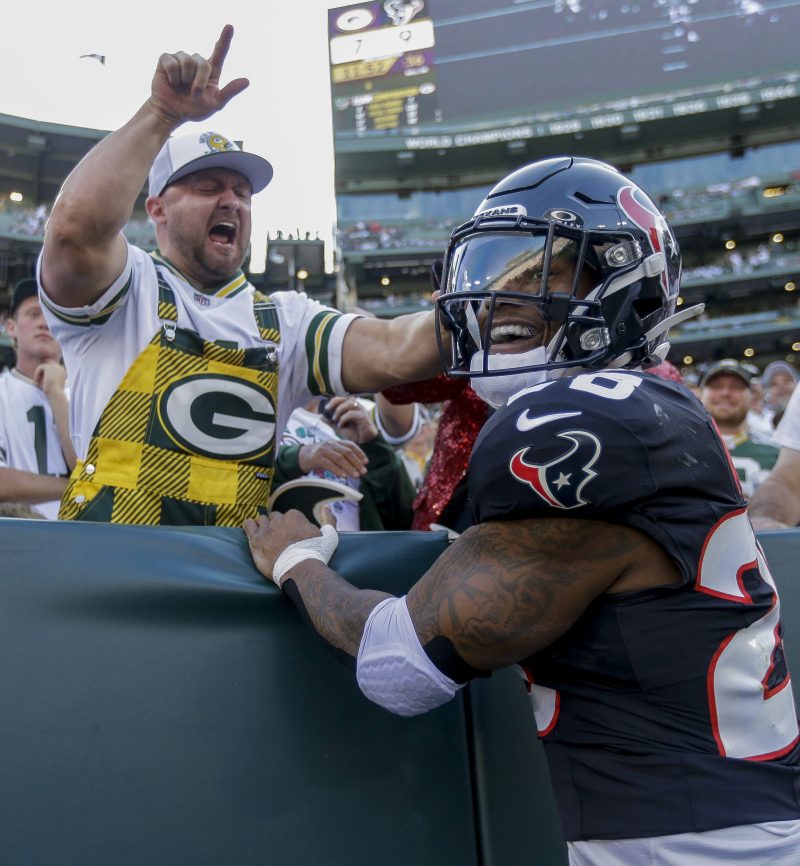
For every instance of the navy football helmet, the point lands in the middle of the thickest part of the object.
(565, 264)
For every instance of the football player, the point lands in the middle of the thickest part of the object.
(611, 558)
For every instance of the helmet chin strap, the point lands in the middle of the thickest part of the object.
(660, 352)
(496, 390)
(675, 319)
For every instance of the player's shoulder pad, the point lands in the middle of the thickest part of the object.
(604, 398)
(565, 441)
(588, 390)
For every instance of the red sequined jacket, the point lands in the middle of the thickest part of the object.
(462, 417)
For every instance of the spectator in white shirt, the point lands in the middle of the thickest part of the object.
(36, 454)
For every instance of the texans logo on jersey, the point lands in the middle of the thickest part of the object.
(561, 481)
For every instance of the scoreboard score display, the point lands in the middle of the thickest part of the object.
(435, 74)
(382, 67)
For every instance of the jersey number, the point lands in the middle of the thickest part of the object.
(749, 688)
(36, 417)
(609, 384)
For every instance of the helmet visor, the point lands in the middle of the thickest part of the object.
(512, 263)
(511, 292)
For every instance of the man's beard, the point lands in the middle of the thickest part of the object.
(201, 262)
(734, 418)
(217, 267)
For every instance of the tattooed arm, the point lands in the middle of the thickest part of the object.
(501, 591)
(505, 590)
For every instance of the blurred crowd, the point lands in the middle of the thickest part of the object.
(398, 459)
(425, 460)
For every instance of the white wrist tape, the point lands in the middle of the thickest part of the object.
(322, 548)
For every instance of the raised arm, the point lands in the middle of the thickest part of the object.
(398, 422)
(776, 503)
(84, 249)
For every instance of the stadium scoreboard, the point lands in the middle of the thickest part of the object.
(381, 69)
(441, 74)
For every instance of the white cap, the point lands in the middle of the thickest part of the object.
(186, 154)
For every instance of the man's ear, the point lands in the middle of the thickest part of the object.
(154, 205)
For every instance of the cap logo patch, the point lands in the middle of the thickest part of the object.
(216, 143)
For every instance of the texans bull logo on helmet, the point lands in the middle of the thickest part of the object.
(560, 482)
(649, 221)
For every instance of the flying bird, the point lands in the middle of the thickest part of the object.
(100, 57)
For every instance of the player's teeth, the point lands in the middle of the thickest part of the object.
(511, 331)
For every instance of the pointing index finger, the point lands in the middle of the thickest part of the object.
(220, 51)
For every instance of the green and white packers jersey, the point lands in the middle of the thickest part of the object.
(752, 461)
(102, 340)
(28, 434)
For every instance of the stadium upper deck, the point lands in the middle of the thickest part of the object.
(699, 101)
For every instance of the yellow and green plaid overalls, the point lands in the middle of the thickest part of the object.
(188, 437)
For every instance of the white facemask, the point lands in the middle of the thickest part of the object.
(496, 390)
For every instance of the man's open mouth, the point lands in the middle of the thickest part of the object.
(223, 233)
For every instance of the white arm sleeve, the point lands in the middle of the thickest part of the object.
(392, 667)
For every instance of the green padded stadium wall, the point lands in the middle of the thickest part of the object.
(162, 705)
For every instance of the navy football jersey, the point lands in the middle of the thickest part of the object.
(668, 710)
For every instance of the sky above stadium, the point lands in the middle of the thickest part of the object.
(281, 47)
